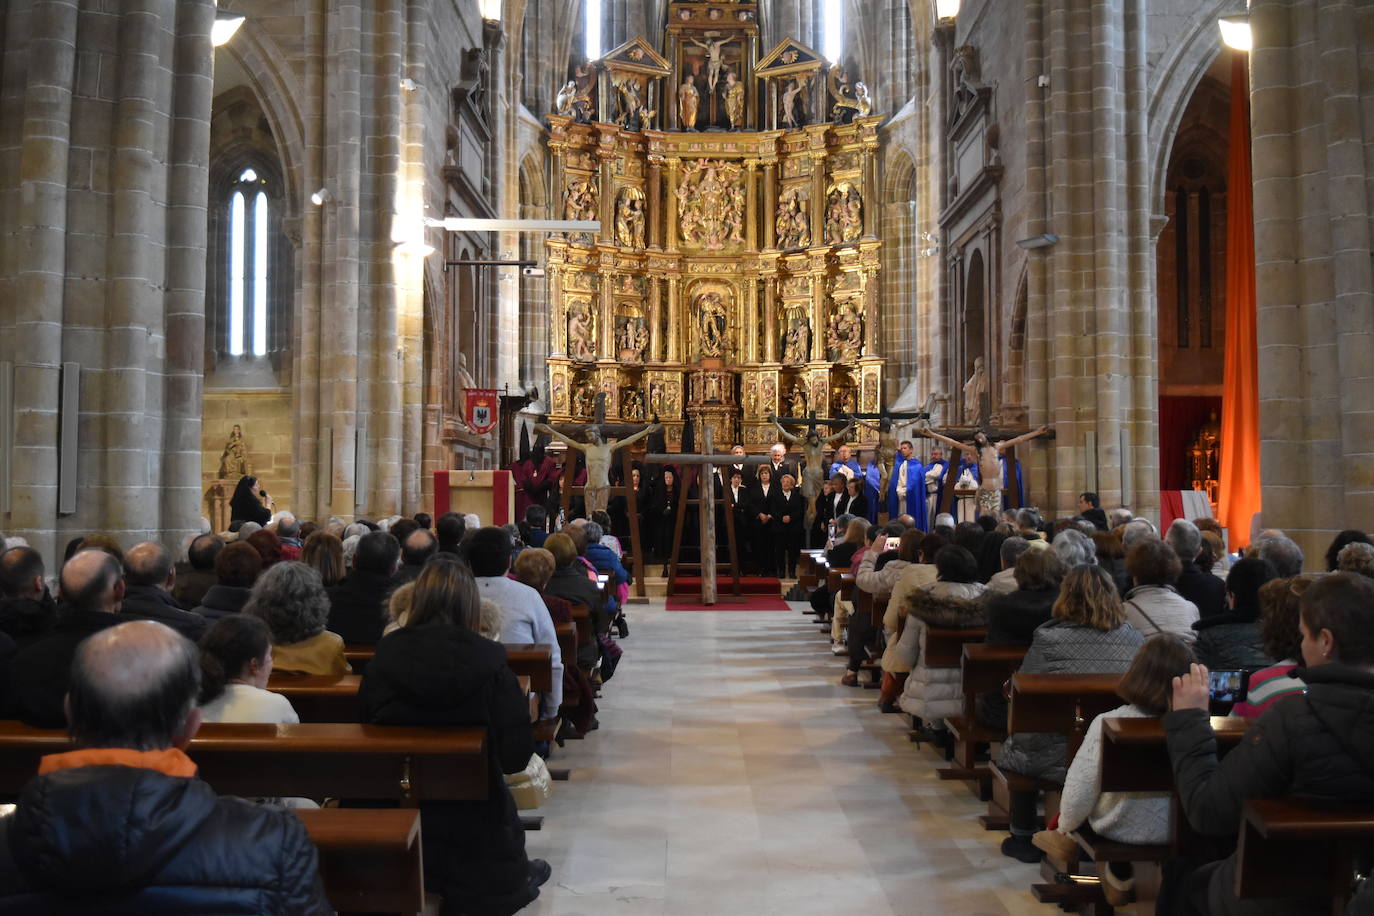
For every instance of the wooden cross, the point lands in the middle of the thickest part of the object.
(698, 468)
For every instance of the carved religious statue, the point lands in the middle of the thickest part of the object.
(711, 204)
(844, 336)
(632, 339)
(797, 403)
(734, 100)
(796, 344)
(789, 113)
(631, 404)
(688, 101)
(793, 223)
(1204, 458)
(597, 454)
(714, 57)
(581, 331)
(712, 323)
(987, 454)
(813, 449)
(584, 84)
(844, 221)
(584, 400)
(974, 389)
(629, 218)
(851, 98)
(563, 102)
(233, 462)
(580, 199)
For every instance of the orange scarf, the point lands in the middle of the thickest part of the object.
(169, 761)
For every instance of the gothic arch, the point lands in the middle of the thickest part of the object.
(278, 93)
(1178, 74)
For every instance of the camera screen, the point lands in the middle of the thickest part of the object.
(1226, 686)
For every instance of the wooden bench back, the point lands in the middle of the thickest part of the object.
(1296, 848)
(986, 667)
(847, 587)
(1135, 757)
(945, 647)
(320, 698)
(369, 858)
(1061, 703)
(404, 764)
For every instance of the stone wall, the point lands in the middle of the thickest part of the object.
(1312, 142)
(265, 417)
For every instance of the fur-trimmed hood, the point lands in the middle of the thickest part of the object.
(948, 604)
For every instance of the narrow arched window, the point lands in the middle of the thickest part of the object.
(591, 28)
(832, 29)
(249, 266)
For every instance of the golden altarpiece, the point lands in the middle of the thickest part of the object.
(735, 273)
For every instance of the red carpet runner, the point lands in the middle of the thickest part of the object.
(759, 594)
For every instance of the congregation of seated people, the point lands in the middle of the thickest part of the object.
(130, 652)
(1106, 594)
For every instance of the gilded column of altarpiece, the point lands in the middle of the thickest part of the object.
(735, 273)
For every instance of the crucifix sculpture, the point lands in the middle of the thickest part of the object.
(813, 449)
(698, 468)
(605, 439)
(988, 445)
(884, 423)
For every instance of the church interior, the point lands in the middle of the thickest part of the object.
(553, 265)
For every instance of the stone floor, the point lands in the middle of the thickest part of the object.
(732, 774)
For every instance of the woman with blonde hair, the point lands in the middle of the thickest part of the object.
(323, 552)
(1088, 635)
(437, 669)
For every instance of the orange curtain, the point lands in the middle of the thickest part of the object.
(1239, 499)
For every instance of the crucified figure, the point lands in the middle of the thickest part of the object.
(989, 468)
(597, 453)
(713, 60)
(813, 448)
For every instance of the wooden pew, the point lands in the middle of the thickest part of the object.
(320, 698)
(582, 620)
(404, 764)
(359, 656)
(369, 858)
(1134, 758)
(1060, 703)
(327, 698)
(1290, 848)
(808, 570)
(984, 668)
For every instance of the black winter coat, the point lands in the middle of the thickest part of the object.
(1228, 641)
(1202, 588)
(148, 602)
(445, 675)
(115, 839)
(1012, 619)
(1318, 746)
(222, 601)
(26, 619)
(357, 606)
(40, 673)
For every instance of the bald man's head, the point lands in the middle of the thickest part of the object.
(148, 563)
(92, 580)
(134, 686)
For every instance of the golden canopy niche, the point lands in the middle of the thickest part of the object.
(735, 273)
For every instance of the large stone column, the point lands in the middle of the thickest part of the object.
(1314, 291)
(102, 239)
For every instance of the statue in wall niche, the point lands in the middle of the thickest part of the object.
(581, 331)
(793, 222)
(688, 103)
(734, 100)
(632, 340)
(796, 344)
(798, 405)
(584, 82)
(629, 218)
(584, 400)
(631, 404)
(974, 389)
(851, 97)
(768, 398)
(580, 199)
(844, 401)
(712, 321)
(844, 336)
(844, 216)
(714, 55)
(790, 113)
(711, 204)
(233, 461)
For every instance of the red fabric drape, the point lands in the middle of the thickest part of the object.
(1239, 499)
